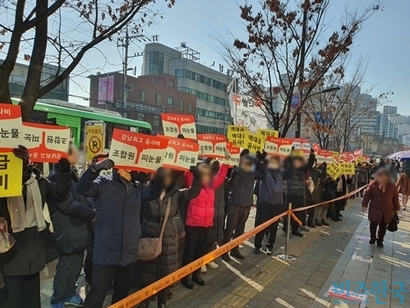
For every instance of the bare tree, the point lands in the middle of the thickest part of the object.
(77, 27)
(286, 50)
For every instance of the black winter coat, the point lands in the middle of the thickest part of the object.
(318, 176)
(71, 218)
(28, 255)
(217, 229)
(153, 214)
(296, 184)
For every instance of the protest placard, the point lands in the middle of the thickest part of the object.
(11, 175)
(347, 156)
(212, 145)
(11, 126)
(46, 143)
(236, 135)
(334, 171)
(324, 156)
(302, 144)
(180, 154)
(175, 124)
(235, 153)
(253, 142)
(278, 146)
(348, 168)
(265, 133)
(139, 152)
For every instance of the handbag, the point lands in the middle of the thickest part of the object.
(150, 248)
(393, 225)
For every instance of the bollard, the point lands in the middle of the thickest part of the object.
(286, 256)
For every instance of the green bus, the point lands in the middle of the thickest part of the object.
(75, 116)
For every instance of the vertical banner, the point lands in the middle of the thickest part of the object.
(236, 135)
(175, 124)
(10, 126)
(212, 145)
(106, 89)
(134, 151)
(235, 153)
(180, 154)
(253, 142)
(11, 175)
(248, 111)
(94, 139)
(278, 146)
(46, 143)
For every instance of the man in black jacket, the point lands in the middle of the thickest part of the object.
(295, 191)
(240, 201)
(71, 217)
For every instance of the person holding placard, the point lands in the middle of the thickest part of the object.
(154, 216)
(318, 175)
(117, 226)
(22, 264)
(200, 216)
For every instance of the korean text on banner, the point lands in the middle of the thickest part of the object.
(46, 143)
(265, 133)
(139, 152)
(94, 138)
(180, 154)
(253, 142)
(235, 153)
(301, 144)
(248, 111)
(212, 145)
(348, 168)
(334, 171)
(11, 126)
(324, 156)
(11, 175)
(278, 146)
(236, 134)
(175, 124)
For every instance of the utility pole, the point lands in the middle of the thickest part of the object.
(125, 70)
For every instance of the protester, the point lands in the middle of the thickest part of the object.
(269, 190)
(200, 217)
(217, 229)
(22, 264)
(295, 191)
(117, 228)
(329, 193)
(403, 186)
(153, 214)
(318, 175)
(240, 199)
(382, 202)
(362, 177)
(341, 190)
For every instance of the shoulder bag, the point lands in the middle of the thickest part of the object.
(150, 248)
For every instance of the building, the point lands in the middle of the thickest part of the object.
(208, 85)
(148, 97)
(387, 125)
(19, 76)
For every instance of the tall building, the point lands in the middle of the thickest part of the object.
(208, 85)
(386, 125)
(19, 76)
(148, 97)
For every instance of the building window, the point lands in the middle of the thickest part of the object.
(181, 105)
(170, 83)
(142, 96)
(156, 121)
(190, 106)
(158, 99)
(170, 102)
(156, 63)
(183, 73)
(141, 116)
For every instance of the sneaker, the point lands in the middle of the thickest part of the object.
(237, 255)
(203, 269)
(297, 233)
(75, 301)
(269, 251)
(257, 251)
(58, 305)
(317, 223)
(371, 242)
(226, 257)
(324, 223)
(213, 265)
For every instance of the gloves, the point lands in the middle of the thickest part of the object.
(244, 152)
(105, 164)
(312, 151)
(195, 171)
(65, 165)
(159, 176)
(261, 156)
(97, 157)
(22, 153)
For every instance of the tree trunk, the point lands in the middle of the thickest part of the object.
(31, 89)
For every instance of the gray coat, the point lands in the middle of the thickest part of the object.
(153, 213)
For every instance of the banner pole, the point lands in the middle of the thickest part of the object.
(286, 256)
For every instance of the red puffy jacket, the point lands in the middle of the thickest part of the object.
(200, 210)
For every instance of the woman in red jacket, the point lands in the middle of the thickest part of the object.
(382, 200)
(199, 218)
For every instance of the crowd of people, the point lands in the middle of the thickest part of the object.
(99, 221)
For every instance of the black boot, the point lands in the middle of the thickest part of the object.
(196, 277)
(237, 255)
(187, 282)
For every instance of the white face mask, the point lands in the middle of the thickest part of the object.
(273, 166)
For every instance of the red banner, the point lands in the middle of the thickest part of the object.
(180, 154)
(212, 145)
(175, 124)
(11, 127)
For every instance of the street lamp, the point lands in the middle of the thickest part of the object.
(299, 114)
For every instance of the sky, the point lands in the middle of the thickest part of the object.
(384, 41)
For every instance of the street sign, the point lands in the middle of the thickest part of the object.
(94, 138)
(296, 100)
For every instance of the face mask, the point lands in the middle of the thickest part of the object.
(273, 166)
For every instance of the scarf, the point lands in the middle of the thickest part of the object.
(30, 214)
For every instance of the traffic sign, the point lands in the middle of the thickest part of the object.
(296, 100)
(94, 138)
